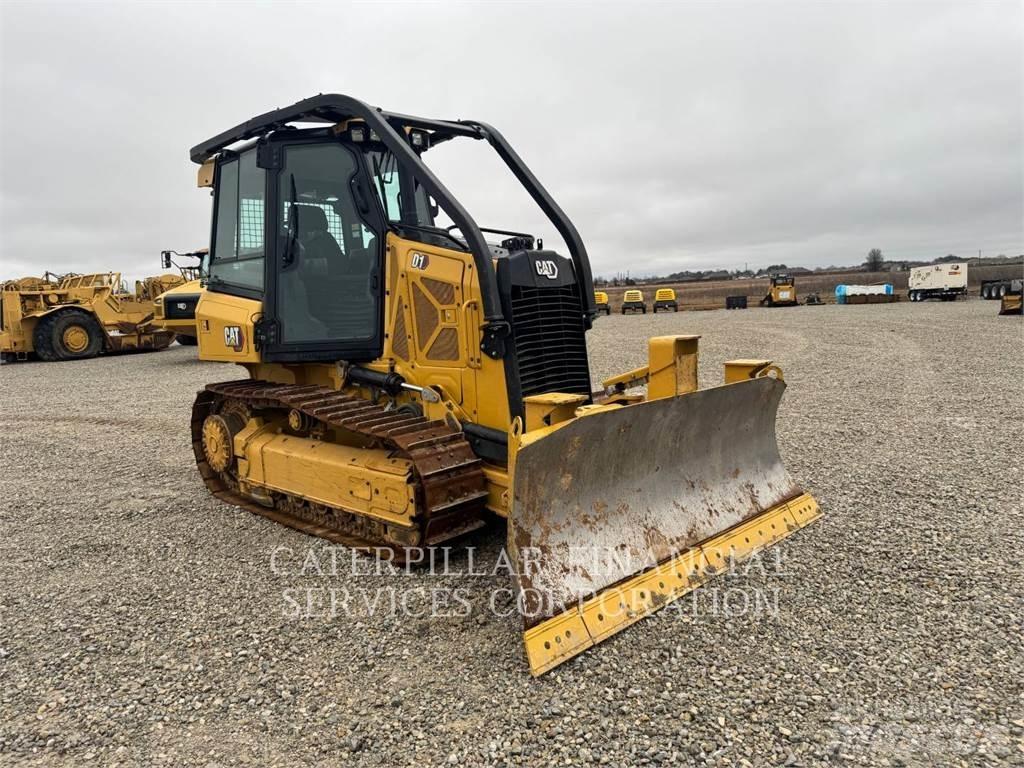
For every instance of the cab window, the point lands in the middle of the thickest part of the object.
(328, 276)
(238, 244)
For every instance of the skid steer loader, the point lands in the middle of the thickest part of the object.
(74, 317)
(406, 380)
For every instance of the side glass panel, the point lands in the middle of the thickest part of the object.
(328, 279)
(239, 249)
(227, 211)
(392, 191)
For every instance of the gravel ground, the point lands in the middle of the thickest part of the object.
(142, 622)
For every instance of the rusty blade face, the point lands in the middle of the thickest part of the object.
(611, 494)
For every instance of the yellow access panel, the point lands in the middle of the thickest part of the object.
(226, 326)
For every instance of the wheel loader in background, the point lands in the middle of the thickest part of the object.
(175, 310)
(73, 317)
(409, 379)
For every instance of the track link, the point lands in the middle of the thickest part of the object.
(451, 487)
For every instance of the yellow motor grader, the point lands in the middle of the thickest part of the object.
(409, 379)
(73, 317)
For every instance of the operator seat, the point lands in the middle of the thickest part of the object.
(302, 283)
(319, 248)
(352, 311)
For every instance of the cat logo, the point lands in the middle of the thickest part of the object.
(419, 261)
(547, 268)
(233, 337)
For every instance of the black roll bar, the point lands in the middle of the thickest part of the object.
(335, 108)
(551, 209)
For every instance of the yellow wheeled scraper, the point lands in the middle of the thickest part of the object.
(409, 379)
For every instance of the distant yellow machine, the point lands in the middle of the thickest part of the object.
(73, 317)
(601, 302)
(1011, 300)
(407, 380)
(781, 292)
(665, 298)
(633, 302)
(175, 310)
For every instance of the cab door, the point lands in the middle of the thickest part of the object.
(324, 297)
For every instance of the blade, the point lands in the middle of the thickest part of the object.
(617, 492)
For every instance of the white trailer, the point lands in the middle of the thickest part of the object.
(938, 281)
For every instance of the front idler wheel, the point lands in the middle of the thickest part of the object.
(219, 430)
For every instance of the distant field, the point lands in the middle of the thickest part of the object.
(710, 294)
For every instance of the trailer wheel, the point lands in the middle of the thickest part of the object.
(985, 291)
(68, 335)
(1002, 290)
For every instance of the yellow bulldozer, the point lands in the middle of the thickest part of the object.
(409, 379)
(781, 292)
(1011, 301)
(175, 310)
(73, 317)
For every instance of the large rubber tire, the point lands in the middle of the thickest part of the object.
(68, 335)
(1002, 290)
(186, 341)
(985, 290)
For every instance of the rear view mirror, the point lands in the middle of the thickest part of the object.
(165, 259)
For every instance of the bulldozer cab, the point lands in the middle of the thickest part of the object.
(301, 218)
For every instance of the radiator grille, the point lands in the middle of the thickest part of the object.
(550, 344)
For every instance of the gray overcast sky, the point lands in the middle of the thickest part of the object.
(682, 136)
